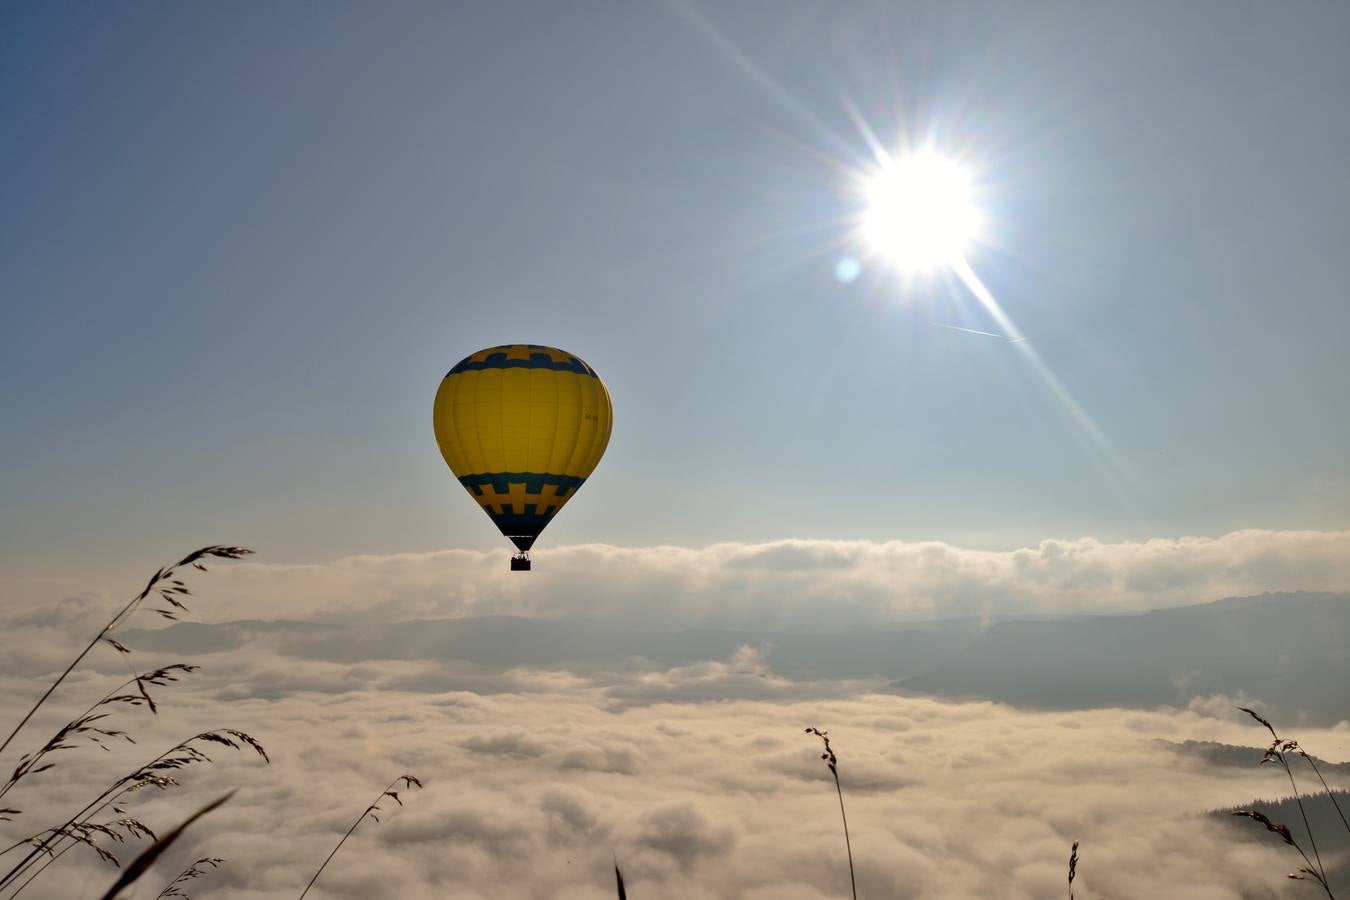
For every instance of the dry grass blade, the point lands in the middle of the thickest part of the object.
(142, 863)
(409, 781)
(832, 762)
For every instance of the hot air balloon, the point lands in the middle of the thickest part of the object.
(522, 426)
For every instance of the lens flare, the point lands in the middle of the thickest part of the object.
(847, 270)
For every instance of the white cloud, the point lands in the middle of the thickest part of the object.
(1224, 706)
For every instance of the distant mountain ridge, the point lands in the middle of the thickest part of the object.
(1291, 652)
(1235, 756)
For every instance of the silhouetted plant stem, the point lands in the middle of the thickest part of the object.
(152, 774)
(408, 781)
(1306, 872)
(833, 762)
(848, 846)
(1312, 841)
(1073, 867)
(1276, 752)
(38, 870)
(62, 677)
(1330, 794)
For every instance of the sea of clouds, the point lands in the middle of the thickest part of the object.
(698, 779)
(537, 780)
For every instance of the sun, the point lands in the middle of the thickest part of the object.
(920, 212)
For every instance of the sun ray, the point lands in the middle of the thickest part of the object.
(874, 144)
(756, 74)
(1113, 465)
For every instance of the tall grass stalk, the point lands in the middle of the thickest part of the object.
(169, 594)
(833, 762)
(89, 725)
(169, 589)
(409, 781)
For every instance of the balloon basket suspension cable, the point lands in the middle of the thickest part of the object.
(520, 562)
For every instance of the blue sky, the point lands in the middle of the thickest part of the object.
(241, 244)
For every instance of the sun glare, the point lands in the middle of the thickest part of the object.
(920, 214)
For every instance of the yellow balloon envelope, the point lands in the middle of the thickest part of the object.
(522, 426)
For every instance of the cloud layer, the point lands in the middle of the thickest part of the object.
(812, 584)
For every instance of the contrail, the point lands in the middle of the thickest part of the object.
(973, 331)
